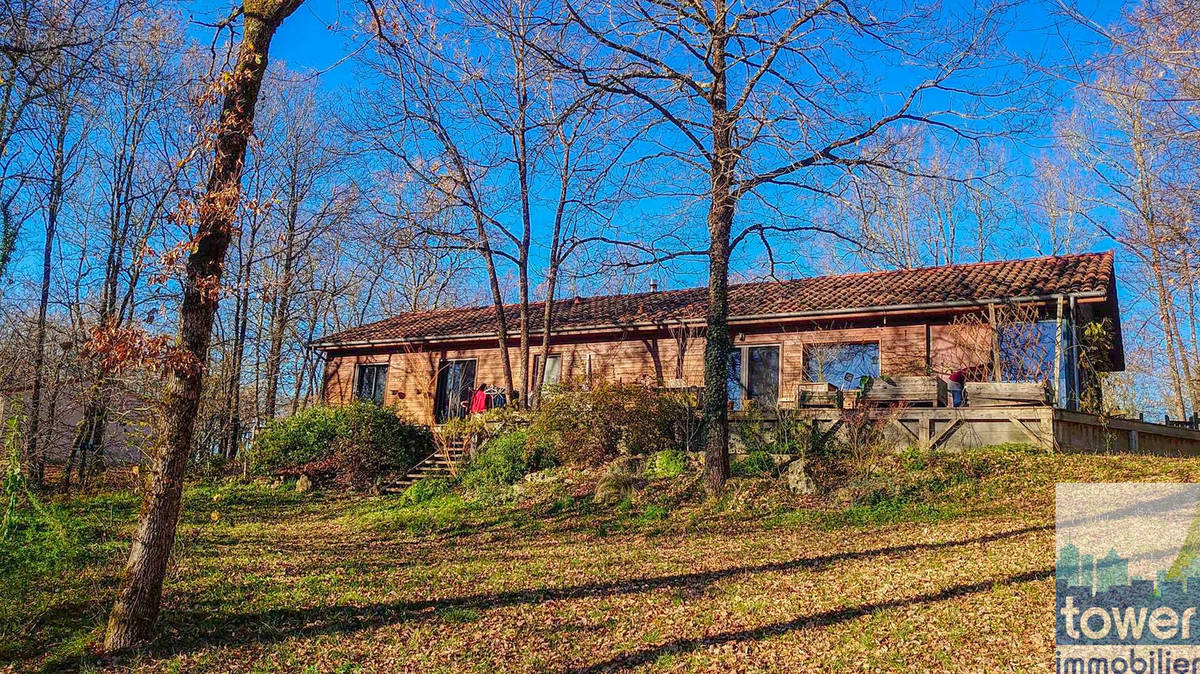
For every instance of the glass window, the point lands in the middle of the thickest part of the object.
(754, 375)
(1027, 351)
(734, 385)
(762, 374)
(455, 386)
(842, 364)
(553, 373)
(372, 380)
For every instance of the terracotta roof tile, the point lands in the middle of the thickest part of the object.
(963, 283)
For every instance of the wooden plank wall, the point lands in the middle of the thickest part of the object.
(1087, 433)
(947, 428)
(955, 346)
(652, 357)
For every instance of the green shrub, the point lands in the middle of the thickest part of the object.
(754, 464)
(353, 443)
(504, 460)
(667, 463)
(591, 425)
(425, 490)
(305, 436)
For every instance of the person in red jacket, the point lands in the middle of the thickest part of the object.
(479, 400)
(955, 387)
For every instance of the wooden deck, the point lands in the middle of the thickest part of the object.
(1042, 426)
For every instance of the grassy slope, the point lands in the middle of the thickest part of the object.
(942, 565)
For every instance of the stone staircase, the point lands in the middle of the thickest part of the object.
(439, 464)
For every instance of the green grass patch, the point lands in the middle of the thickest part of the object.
(280, 581)
(874, 515)
(443, 513)
(667, 463)
(754, 464)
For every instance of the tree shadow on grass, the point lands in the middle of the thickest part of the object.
(823, 619)
(197, 628)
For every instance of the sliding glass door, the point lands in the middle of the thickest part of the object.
(455, 385)
(753, 375)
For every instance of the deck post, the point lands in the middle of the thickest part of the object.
(1074, 359)
(995, 342)
(1058, 335)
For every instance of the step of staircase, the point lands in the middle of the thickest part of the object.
(439, 464)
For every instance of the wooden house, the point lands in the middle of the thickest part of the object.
(929, 321)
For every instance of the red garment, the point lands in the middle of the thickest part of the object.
(478, 402)
(959, 377)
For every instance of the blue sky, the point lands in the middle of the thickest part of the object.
(321, 36)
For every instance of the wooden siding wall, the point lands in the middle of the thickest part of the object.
(955, 346)
(653, 357)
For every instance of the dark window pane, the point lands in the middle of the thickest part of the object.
(762, 374)
(455, 386)
(372, 379)
(842, 364)
(734, 385)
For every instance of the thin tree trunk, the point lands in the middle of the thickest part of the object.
(1189, 283)
(53, 208)
(564, 172)
(1147, 211)
(501, 319)
(281, 309)
(522, 148)
(140, 593)
(240, 326)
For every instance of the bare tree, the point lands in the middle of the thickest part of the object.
(752, 101)
(938, 207)
(62, 145)
(39, 42)
(1134, 136)
(131, 178)
(432, 117)
(556, 141)
(139, 595)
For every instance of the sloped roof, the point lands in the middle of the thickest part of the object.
(976, 283)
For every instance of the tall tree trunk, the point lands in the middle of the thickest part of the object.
(1147, 209)
(1189, 282)
(140, 593)
(240, 325)
(522, 151)
(718, 344)
(489, 262)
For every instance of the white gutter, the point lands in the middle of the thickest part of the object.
(891, 308)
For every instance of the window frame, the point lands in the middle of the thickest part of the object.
(358, 373)
(442, 363)
(832, 342)
(744, 370)
(537, 357)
